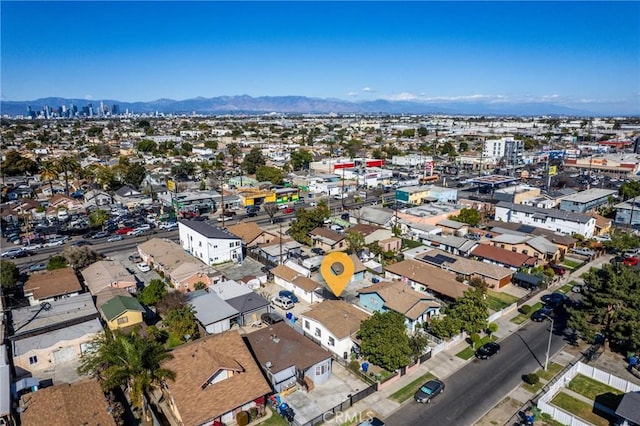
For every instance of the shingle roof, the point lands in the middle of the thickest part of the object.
(503, 256)
(247, 231)
(210, 307)
(365, 229)
(49, 284)
(435, 279)
(463, 265)
(59, 406)
(629, 407)
(401, 298)
(327, 234)
(195, 363)
(288, 348)
(104, 273)
(339, 317)
(119, 305)
(554, 237)
(208, 229)
(295, 277)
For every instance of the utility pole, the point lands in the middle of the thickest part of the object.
(280, 236)
(221, 182)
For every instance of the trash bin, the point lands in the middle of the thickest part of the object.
(365, 366)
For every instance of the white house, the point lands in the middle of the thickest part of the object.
(333, 323)
(554, 220)
(297, 283)
(209, 243)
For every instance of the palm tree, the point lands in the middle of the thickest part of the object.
(127, 360)
(67, 165)
(48, 173)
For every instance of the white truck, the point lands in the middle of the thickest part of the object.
(312, 263)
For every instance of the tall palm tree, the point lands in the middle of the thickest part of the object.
(48, 173)
(66, 165)
(127, 360)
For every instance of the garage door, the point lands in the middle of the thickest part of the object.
(64, 355)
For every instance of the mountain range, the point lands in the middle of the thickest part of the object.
(301, 105)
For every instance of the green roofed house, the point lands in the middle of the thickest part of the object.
(121, 311)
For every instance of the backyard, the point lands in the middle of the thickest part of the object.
(597, 391)
(579, 408)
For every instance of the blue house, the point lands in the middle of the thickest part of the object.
(397, 296)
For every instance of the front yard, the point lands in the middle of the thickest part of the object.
(468, 352)
(498, 300)
(520, 318)
(409, 390)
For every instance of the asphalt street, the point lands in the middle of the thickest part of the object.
(481, 384)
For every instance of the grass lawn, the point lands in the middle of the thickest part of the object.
(520, 318)
(578, 408)
(593, 389)
(275, 420)
(571, 264)
(550, 372)
(565, 289)
(497, 300)
(409, 390)
(533, 388)
(548, 421)
(468, 352)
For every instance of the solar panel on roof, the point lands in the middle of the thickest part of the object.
(438, 259)
(526, 228)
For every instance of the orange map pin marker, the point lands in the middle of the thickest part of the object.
(337, 268)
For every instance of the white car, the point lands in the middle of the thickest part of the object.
(114, 238)
(313, 204)
(143, 266)
(168, 226)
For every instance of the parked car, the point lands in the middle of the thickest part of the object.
(318, 251)
(428, 391)
(101, 234)
(168, 226)
(271, 318)
(254, 209)
(559, 270)
(251, 213)
(135, 257)
(577, 288)
(289, 295)
(115, 238)
(313, 204)
(12, 253)
(282, 302)
(143, 266)
(283, 206)
(37, 267)
(630, 261)
(124, 231)
(542, 314)
(80, 243)
(553, 300)
(373, 421)
(487, 350)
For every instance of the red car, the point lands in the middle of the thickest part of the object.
(559, 270)
(288, 210)
(630, 261)
(124, 231)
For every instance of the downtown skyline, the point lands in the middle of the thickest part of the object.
(582, 55)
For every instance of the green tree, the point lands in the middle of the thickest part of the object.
(67, 165)
(181, 324)
(56, 262)
(9, 274)
(385, 342)
(448, 149)
(492, 328)
(610, 301)
(377, 153)
(300, 159)
(629, 189)
(355, 241)
(307, 220)
(183, 170)
(253, 160)
(98, 217)
(445, 327)
(48, 173)
(186, 147)
(80, 257)
(270, 174)
(463, 146)
(471, 310)
(621, 241)
(127, 360)
(234, 152)
(135, 174)
(417, 342)
(211, 144)
(94, 131)
(469, 216)
(15, 164)
(153, 293)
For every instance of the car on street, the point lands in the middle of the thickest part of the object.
(14, 253)
(289, 295)
(542, 314)
(143, 266)
(487, 350)
(428, 391)
(313, 204)
(288, 210)
(115, 238)
(252, 214)
(254, 209)
(124, 231)
(80, 243)
(37, 267)
(373, 421)
(577, 288)
(168, 226)
(101, 234)
(554, 300)
(271, 318)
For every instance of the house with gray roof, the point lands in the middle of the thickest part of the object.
(209, 243)
(560, 221)
(249, 304)
(586, 201)
(450, 244)
(374, 216)
(212, 312)
(53, 335)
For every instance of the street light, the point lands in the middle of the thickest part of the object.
(546, 361)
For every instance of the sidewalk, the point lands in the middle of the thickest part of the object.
(446, 363)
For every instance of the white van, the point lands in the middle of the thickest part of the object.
(282, 302)
(340, 196)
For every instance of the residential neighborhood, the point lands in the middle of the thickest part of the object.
(166, 269)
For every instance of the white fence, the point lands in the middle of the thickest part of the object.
(445, 344)
(586, 370)
(504, 311)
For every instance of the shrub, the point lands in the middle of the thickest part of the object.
(475, 339)
(492, 328)
(525, 309)
(531, 378)
(354, 366)
(253, 413)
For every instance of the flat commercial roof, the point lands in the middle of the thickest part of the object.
(494, 180)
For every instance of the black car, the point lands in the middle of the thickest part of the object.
(271, 318)
(318, 251)
(428, 391)
(373, 421)
(251, 214)
(542, 314)
(80, 243)
(553, 298)
(487, 350)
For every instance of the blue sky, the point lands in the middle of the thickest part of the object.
(581, 54)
